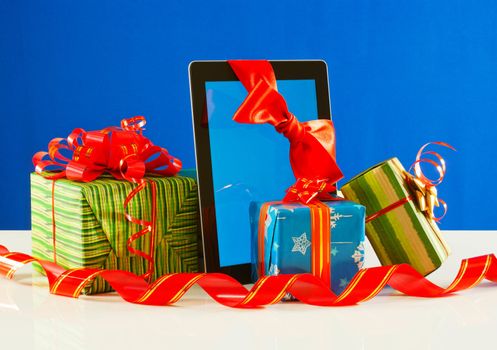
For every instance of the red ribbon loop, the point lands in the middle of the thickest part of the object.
(134, 124)
(439, 163)
(312, 143)
(426, 186)
(124, 153)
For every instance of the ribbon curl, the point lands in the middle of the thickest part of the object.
(122, 152)
(312, 143)
(423, 187)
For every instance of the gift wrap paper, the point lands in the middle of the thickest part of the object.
(404, 234)
(288, 236)
(91, 229)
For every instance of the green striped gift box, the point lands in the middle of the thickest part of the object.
(403, 234)
(91, 229)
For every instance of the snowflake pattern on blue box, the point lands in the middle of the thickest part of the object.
(287, 238)
(300, 244)
(358, 255)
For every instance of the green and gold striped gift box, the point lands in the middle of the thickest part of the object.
(404, 234)
(91, 229)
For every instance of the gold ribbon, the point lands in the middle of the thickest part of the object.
(423, 188)
(425, 195)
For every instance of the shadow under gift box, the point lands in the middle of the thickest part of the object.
(91, 229)
(288, 236)
(404, 234)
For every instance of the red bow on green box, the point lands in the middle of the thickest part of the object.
(122, 152)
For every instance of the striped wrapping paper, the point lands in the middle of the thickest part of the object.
(91, 230)
(404, 234)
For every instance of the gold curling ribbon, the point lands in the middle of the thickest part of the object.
(422, 187)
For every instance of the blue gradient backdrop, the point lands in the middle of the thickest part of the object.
(401, 73)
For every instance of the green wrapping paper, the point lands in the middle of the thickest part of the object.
(404, 234)
(91, 229)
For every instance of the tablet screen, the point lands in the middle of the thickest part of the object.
(249, 162)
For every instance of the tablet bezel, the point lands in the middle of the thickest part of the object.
(201, 72)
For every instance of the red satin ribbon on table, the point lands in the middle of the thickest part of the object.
(268, 290)
(124, 153)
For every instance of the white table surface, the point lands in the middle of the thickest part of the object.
(31, 318)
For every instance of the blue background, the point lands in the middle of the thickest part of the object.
(402, 73)
(240, 152)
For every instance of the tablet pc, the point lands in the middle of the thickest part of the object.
(241, 163)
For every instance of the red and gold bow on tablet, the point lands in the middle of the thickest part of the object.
(122, 152)
(312, 143)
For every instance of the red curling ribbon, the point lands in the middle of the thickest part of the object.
(54, 227)
(122, 152)
(431, 184)
(312, 143)
(268, 290)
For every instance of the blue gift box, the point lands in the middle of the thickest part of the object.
(287, 240)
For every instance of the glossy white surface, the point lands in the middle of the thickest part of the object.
(30, 318)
